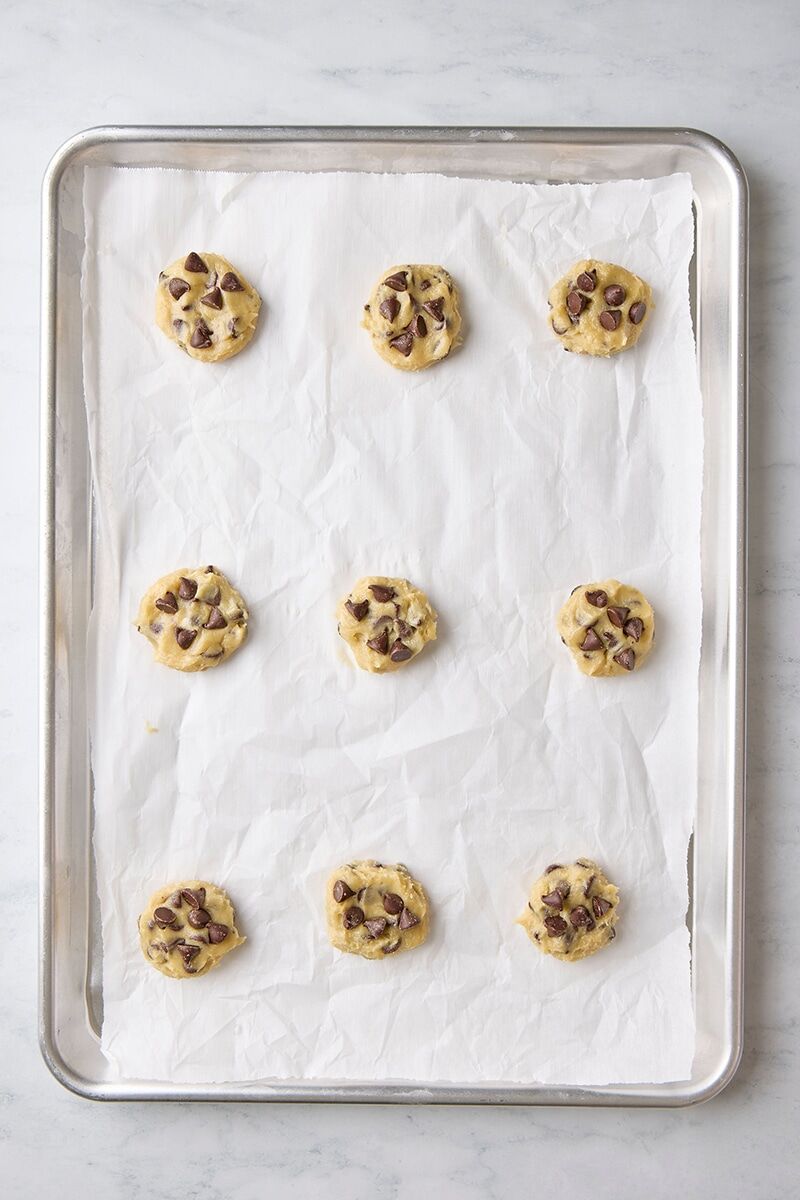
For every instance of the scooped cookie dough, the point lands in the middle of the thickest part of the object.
(413, 316)
(572, 910)
(374, 910)
(194, 619)
(206, 307)
(599, 308)
(385, 622)
(608, 627)
(187, 928)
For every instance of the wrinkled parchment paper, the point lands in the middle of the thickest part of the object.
(497, 481)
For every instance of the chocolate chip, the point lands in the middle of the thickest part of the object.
(636, 312)
(426, 283)
(376, 926)
(581, 862)
(185, 637)
(618, 615)
(591, 641)
(576, 303)
(177, 287)
(175, 900)
(178, 325)
(390, 308)
(231, 282)
(201, 338)
(167, 603)
(600, 906)
(393, 904)
(404, 629)
(187, 952)
(626, 658)
(217, 932)
(397, 281)
(610, 639)
(195, 898)
(553, 867)
(611, 318)
(341, 891)
(391, 947)
(195, 264)
(634, 628)
(382, 594)
(614, 294)
(198, 918)
(554, 899)
(418, 326)
(163, 917)
(403, 342)
(555, 926)
(587, 281)
(598, 599)
(358, 611)
(353, 917)
(581, 916)
(212, 299)
(380, 644)
(215, 620)
(400, 652)
(435, 308)
(588, 886)
(382, 622)
(212, 597)
(187, 589)
(407, 919)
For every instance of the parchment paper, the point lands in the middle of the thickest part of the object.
(497, 481)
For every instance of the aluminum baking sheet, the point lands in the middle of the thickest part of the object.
(70, 999)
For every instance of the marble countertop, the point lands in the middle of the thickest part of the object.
(729, 69)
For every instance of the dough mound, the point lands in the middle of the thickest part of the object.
(187, 928)
(413, 316)
(385, 622)
(607, 627)
(374, 909)
(194, 619)
(206, 306)
(599, 308)
(572, 910)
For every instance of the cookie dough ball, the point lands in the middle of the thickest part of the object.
(572, 910)
(385, 622)
(206, 306)
(413, 316)
(608, 627)
(599, 308)
(187, 928)
(374, 910)
(194, 618)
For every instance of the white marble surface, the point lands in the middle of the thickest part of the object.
(727, 68)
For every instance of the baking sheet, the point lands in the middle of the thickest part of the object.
(497, 481)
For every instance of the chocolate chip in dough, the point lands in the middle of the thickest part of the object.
(167, 603)
(175, 900)
(588, 885)
(397, 281)
(195, 264)
(598, 599)
(194, 897)
(341, 891)
(404, 629)
(390, 308)
(637, 311)
(231, 282)
(212, 299)
(380, 644)
(376, 926)
(217, 932)
(626, 658)
(164, 917)
(576, 303)
(382, 594)
(393, 904)
(634, 628)
(353, 916)
(591, 641)
(587, 281)
(185, 637)
(553, 867)
(581, 917)
(435, 309)
(212, 597)
(614, 294)
(400, 652)
(177, 287)
(357, 611)
(404, 342)
(600, 906)
(201, 338)
(554, 899)
(407, 919)
(555, 926)
(610, 319)
(418, 326)
(178, 325)
(390, 947)
(618, 615)
(187, 589)
(187, 952)
(215, 620)
(198, 918)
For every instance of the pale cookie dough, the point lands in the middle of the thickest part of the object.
(187, 928)
(599, 308)
(374, 909)
(413, 316)
(572, 910)
(206, 307)
(385, 622)
(194, 618)
(608, 627)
